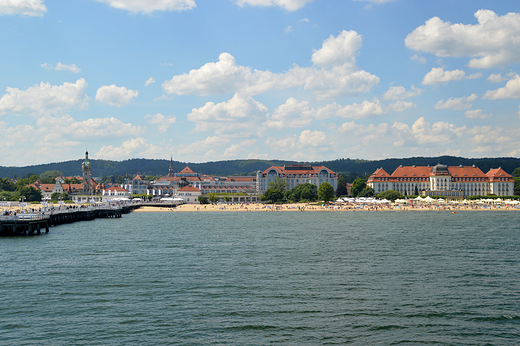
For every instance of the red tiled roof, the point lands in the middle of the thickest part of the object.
(496, 173)
(466, 172)
(189, 188)
(187, 170)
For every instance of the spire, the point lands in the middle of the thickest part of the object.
(171, 171)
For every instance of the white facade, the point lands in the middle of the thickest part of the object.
(294, 175)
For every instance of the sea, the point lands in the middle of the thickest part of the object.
(266, 278)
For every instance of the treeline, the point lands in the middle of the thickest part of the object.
(156, 167)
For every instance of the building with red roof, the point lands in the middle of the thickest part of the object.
(296, 174)
(441, 180)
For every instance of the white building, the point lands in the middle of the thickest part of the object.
(441, 180)
(296, 174)
(189, 194)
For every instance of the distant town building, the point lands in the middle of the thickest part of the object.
(453, 182)
(189, 194)
(296, 174)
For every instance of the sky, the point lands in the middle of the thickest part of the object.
(304, 80)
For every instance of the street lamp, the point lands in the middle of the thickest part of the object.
(22, 199)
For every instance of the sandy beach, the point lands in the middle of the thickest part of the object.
(300, 207)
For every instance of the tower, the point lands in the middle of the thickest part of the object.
(86, 167)
(171, 171)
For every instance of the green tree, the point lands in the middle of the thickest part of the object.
(367, 192)
(227, 199)
(516, 172)
(272, 194)
(30, 194)
(325, 192)
(301, 192)
(516, 190)
(391, 195)
(278, 183)
(56, 196)
(202, 200)
(357, 186)
(341, 190)
(7, 185)
(48, 177)
(213, 198)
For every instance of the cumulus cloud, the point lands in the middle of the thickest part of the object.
(495, 78)
(400, 93)
(510, 91)
(59, 67)
(289, 5)
(365, 109)
(292, 114)
(437, 75)
(162, 122)
(476, 114)
(238, 116)
(149, 81)
(207, 147)
(135, 147)
(419, 58)
(401, 106)
(149, 6)
(422, 133)
(460, 103)
(45, 98)
(338, 50)
(30, 8)
(115, 96)
(492, 42)
(341, 76)
(310, 138)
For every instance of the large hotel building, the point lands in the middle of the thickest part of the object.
(296, 174)
(453, 182)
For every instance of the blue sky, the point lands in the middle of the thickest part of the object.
(305, 80)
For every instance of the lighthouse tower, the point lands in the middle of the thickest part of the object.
(86, 167)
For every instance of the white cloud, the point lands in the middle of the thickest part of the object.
(476, 114)
(45, 98)
(510, 91)
(310, 138)
(422, 133)
(338, 50)
(233, 151)
(419, 58)
(289, 5)
(288, 29)
(162, 122)
(136, 147)
(495, 78)
(365, 109)
(492, 42)
(437, 75)
(240, 116)
(207, 147)
(292, 114)
(149, 81)
(400, 93)
(148, 6)
(460, 103)
(30, 8)
(115, 96)
(225, 76)
(401, 106)
(59, 67)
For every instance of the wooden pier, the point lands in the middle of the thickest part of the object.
(31, 223)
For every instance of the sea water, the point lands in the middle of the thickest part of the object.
(256, 278)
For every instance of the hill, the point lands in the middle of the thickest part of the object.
(249, 167)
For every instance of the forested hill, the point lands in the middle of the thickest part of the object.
(249, 167)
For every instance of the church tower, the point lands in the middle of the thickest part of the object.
(86, 167)
(171, 171)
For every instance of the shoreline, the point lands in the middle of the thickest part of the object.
(301, 207)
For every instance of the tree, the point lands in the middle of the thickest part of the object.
(357, 186)
(325, 192)
(56, 196)
(391, 195)
(516, 190)
(213, 198)
(416, 192)
(516, 172)
(367, 192)
(49, 177)
(342, 186)
(300, 192)
(227, 199)
(202, 199)
(30, 194)
(272, 194)
(7, 185)
(278, 183)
